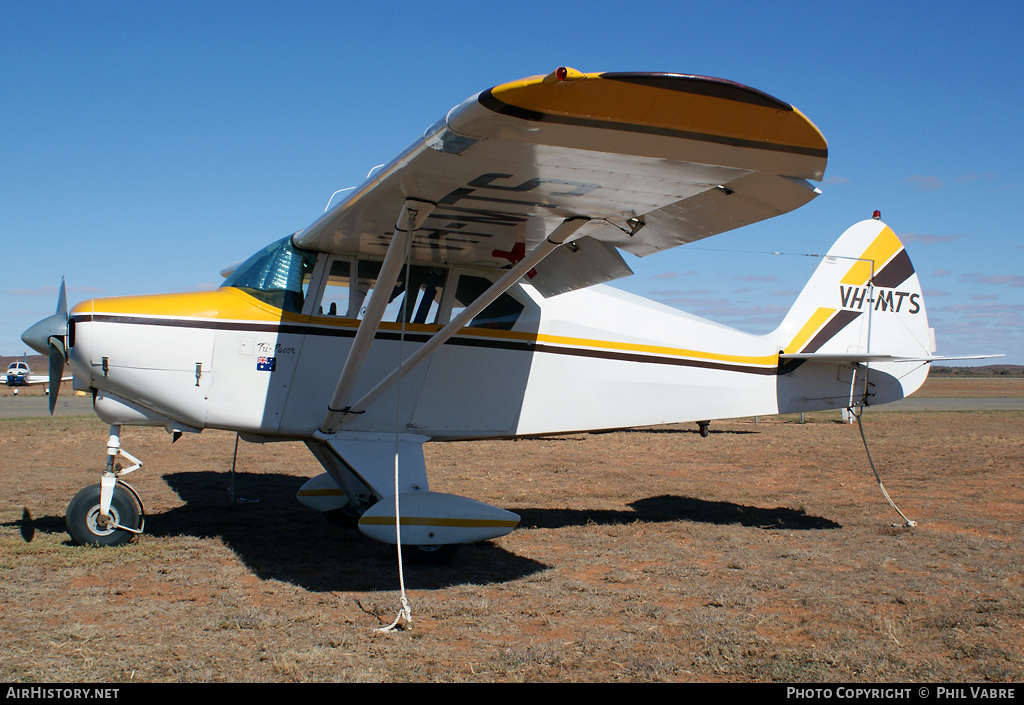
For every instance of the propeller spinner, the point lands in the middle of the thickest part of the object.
(49, 337)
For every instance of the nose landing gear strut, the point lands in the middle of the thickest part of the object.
(109, 513)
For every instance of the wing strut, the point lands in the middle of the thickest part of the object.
(336, 416)
(414, 213)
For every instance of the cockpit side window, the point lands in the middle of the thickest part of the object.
(350, 283)
(337, 299)
(278, 275)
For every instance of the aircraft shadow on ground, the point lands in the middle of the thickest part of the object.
(713, 431)
(673, 508)
(279, 539)
(669, 431)
(28, 525)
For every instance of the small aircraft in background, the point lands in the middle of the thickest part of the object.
(458, 294)
(19, 374)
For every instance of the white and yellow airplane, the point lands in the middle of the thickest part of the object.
(457, 294)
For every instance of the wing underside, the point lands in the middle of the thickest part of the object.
(653, 160)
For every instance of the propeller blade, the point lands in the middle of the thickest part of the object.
(62, 300)
(56, 372)
(49, 337)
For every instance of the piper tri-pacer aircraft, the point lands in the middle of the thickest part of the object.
(457, 294)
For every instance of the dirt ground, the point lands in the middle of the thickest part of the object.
(763, 553)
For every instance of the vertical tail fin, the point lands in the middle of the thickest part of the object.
(862, 305)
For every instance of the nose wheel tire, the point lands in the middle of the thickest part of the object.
(86, 526)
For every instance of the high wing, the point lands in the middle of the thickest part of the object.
(653, 160)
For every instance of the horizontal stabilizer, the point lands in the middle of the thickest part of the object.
(865, 357)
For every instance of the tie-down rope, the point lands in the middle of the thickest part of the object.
(404, 618)
(858, 411)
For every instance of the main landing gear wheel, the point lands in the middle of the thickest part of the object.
(343, 516)
(84, 523)
(437, 554)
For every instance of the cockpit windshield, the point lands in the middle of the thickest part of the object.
(278, 275)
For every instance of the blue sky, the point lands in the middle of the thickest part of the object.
(144, 145)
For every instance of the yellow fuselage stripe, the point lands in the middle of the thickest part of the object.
(814, 323)
(656, 349)
(440, 521)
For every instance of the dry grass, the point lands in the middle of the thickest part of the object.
(946, 387)
(762, 553)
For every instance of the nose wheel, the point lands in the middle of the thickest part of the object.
(108, 513)
(89, 526)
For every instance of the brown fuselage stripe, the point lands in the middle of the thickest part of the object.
(524, 346)
(839, 321)
(835, 324)
(651, 359)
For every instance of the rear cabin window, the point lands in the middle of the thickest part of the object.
(500, 314)
(417, 300)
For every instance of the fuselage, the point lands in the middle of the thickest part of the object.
(591, 359)
(263, 354)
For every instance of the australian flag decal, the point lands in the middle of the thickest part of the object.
(266, 364)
